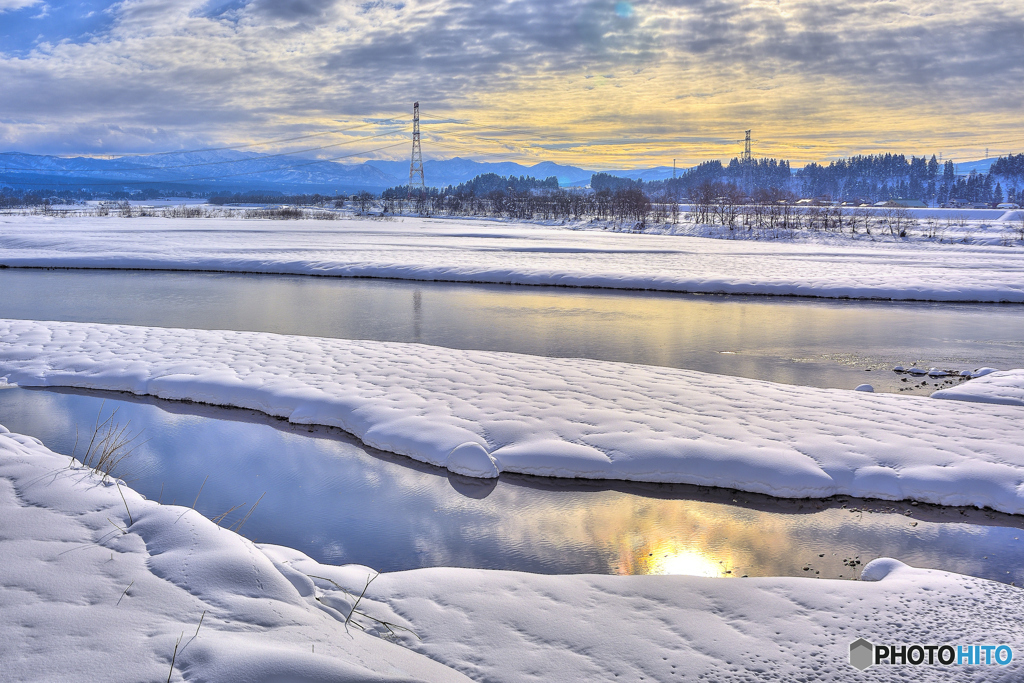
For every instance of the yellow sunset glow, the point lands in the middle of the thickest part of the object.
(672, 560)
(595, 83)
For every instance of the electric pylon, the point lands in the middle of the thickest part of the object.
(748, 166)
(416, 164)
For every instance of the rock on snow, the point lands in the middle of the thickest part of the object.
(485, 412)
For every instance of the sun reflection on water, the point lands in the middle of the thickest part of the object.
(670, 557)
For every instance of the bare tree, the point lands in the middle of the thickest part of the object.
(632, 204)
(365, 200)
(899, 220)
(702, 198)
(727, 204)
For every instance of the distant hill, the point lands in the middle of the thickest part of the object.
(981, 166)
(235, 171)
(220, 170)
(441, 173)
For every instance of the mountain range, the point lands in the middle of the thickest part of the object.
(235, 171)
(231, 170)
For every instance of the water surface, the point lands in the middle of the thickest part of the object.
(811, 342)
(338, 501)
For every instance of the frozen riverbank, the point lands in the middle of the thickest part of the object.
(481, 413)
(1006, 388)
(485, 251)
(103, 587)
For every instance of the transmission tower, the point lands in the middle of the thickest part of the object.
(416, 163)
(748, 165)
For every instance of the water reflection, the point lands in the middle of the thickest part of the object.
(340, 502)
(670, 559)
(822, 343)
(472, 487)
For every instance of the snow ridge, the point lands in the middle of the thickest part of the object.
(486, 251)
(555, 417)
(1006, 388)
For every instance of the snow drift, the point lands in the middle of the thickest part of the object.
(482, 413)
(96, 587)
(1006, 388)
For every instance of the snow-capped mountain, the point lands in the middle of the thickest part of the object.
(239, 170)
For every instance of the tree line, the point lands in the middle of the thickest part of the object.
(772, 212)
(882, 177)
(272, 198)
(24, 197)
(857, 180)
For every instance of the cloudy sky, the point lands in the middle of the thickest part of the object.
(597, 83)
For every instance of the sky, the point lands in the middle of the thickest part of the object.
(593, 83)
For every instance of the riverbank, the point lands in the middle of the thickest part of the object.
(103, 583)
(481, 413)
(496, 252)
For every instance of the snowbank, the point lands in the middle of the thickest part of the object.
(93, 592)
(673, 628)
(485, 251)
(482, 413)
(1005, 387)
(96, 587)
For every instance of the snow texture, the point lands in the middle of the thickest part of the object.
(555, 417)
(485, 251)
(674, 628)
(91, 591)
(1005, 387)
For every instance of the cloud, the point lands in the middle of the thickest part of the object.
(293, 10)
(803, 71)
(11, 5)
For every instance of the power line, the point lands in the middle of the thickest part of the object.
(544, 148)
(500, 143)
(489, 155)
(443, 119)
(514, 157)
(669, 142)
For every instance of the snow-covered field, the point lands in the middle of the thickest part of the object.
(97, 583)
(481, 413)
(487, 251)
(926, 227)
(100, 584)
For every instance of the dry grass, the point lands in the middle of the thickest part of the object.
(110, 445)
